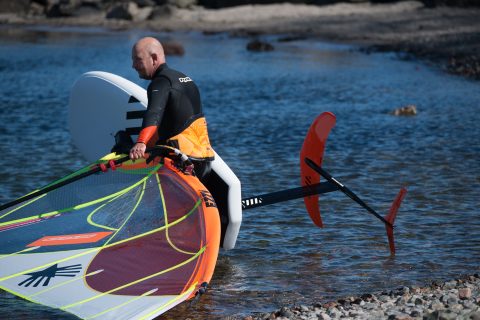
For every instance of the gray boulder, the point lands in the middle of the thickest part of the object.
(129, 11)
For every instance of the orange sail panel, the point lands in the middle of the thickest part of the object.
(313, 148)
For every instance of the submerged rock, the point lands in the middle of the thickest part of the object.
(173, 48)
(257, 45)
(410, 110)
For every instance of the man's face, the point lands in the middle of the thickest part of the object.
(142, 62)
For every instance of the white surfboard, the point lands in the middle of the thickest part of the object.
(99, 102)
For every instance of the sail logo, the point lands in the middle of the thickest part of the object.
(186, 79)
(44, 276)
(208, 199)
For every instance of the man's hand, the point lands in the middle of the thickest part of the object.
(138, 151)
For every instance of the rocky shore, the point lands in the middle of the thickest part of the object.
(455, 299)
(446, 36)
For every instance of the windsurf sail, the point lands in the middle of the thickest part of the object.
(128, 243)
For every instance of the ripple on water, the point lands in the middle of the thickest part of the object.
(259, 106)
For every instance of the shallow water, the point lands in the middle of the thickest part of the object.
(259, 107)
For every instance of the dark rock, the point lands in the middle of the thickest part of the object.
(129, 11)
(62, 8)
(415, 314)
(16, 6)
(173, 48)
(162, 11)
(122, 11)
(291, 38)
(183, 3)
(144, 3)
(285, 312)
(217, 4)
(87, 10)
(257, 45)
(367, 297)
(36, 9)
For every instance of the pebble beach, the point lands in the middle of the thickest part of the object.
(454, 299)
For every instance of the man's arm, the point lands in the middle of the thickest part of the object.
(158, 94)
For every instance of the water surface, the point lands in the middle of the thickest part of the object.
(259, 107)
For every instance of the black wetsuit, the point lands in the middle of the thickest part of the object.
(173, 103)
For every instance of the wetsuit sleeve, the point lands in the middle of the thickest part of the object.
(146, 134)
(158, 94)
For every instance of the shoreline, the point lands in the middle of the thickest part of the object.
(447, 37)
(454, 299)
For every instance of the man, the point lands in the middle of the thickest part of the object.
(174, 114)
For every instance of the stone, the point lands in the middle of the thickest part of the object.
(401, 300)
(144, 3)
(304, 308)
(173, 48)
(449, 299)
(409, 110)
(17, 6)
(183, 4)
(369, 306)
(437, 306)
(404, 290)
(285, 312)
(376, 314)
(129, 11)
(367, 297)
(323, 316)
(329, 305)
(36, 9)
(415, 313)
(257, 45)
(464, 293)
(418, 302)
(440, 314)
(162, 12)
(474, 315)
(457, 308)
(450, 284)
(122, 11)
(65, 8)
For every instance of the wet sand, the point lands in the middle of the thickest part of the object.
(448, 37)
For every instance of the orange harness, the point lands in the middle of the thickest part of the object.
(193, 141)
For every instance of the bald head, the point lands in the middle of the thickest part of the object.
(147, 56)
